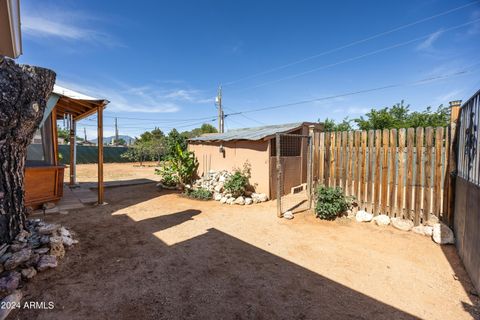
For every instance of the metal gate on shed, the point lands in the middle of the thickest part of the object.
(293, 154)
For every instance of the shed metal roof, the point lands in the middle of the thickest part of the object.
(257, 133)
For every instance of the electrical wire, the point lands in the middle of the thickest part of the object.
(356, 57)
(351, 44)
(421, 81)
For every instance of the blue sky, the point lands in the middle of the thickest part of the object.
(160, 62)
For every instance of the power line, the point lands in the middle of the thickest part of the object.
(356, 57)
(351, 44)
(421, 81)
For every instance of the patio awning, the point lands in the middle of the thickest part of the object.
(75, 103)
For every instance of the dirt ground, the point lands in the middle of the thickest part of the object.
(116, 172)
(156, 255)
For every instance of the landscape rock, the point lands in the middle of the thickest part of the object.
(432, 220)
(260, 197)
(350, 214)
(15, 247)
(423, 230)
(48, 228)
(33, 260)
(230, 201)
(18, 258)
(223, 200)
(29, 273)
(47, 262)
(248, 201)
(442, 234)
(382, 220)
(363, 216)
(288, 215)
(5, 257)
(56, 247)
(67, 241)
(64, 232)
(49, 205)
(3, 248)
(240, 200)
(217, 196)
(9, 282)
(22, 236)
(12, 299)
(402, 224)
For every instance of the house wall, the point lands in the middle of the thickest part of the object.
(235, 154)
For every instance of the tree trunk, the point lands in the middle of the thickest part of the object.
(24, 91)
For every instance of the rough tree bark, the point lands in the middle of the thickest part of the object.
(24, 91)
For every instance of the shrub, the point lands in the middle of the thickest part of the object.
(169, 177)
(200, 193)
(237, 183)
(330, 202)
(184, 164)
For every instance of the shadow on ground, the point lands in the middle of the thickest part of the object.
(120, 270)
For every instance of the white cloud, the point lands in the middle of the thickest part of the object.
(427, 44)
(124, 97)
(475, 28)
(449, 96)
(60, 23)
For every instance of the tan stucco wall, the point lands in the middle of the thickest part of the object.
(235, 155)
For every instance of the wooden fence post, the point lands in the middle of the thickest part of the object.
(450, 175)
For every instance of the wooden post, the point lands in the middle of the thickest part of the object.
(73, 163)
(100, 153)
(279, 176)
(310, 165)
(451, 171)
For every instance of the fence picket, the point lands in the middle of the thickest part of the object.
(418, 175)
(356, 183)
(344, 160)
(371, 169)
(391, 170)
(427, 190)
(378, 143)
(401, 173)
(350, 163)
(333, 159)
(438, 171)
(384, 187)
(339, 158)
(408, 192)
(363, 164)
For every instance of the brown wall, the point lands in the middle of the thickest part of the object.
(467, 226)
(235, 155)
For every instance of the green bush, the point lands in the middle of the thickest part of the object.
(330, 202)
(168, 175)
(200, 193)
(237, 183)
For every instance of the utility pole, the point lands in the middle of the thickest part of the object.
(221, 115)
(116, 132)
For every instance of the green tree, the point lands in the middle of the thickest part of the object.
(205, 128)
(331, 125)
(173, 138)
(399, 116)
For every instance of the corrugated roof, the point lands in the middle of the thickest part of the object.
(256, 133)
(69, 93)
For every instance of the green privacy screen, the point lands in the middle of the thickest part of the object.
(89, 154)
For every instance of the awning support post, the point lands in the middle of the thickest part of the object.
(100, 154)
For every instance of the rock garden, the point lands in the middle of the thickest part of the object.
(37, 248)
(331, 202)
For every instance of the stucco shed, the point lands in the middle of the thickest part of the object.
(230, 150)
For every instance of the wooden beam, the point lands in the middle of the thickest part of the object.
(100, 153)
(72, 152)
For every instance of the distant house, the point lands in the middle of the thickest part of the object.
(230, 150)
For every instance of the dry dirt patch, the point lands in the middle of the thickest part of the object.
(155, 255)
(116, 171)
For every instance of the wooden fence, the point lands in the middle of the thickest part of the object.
(401, 173)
